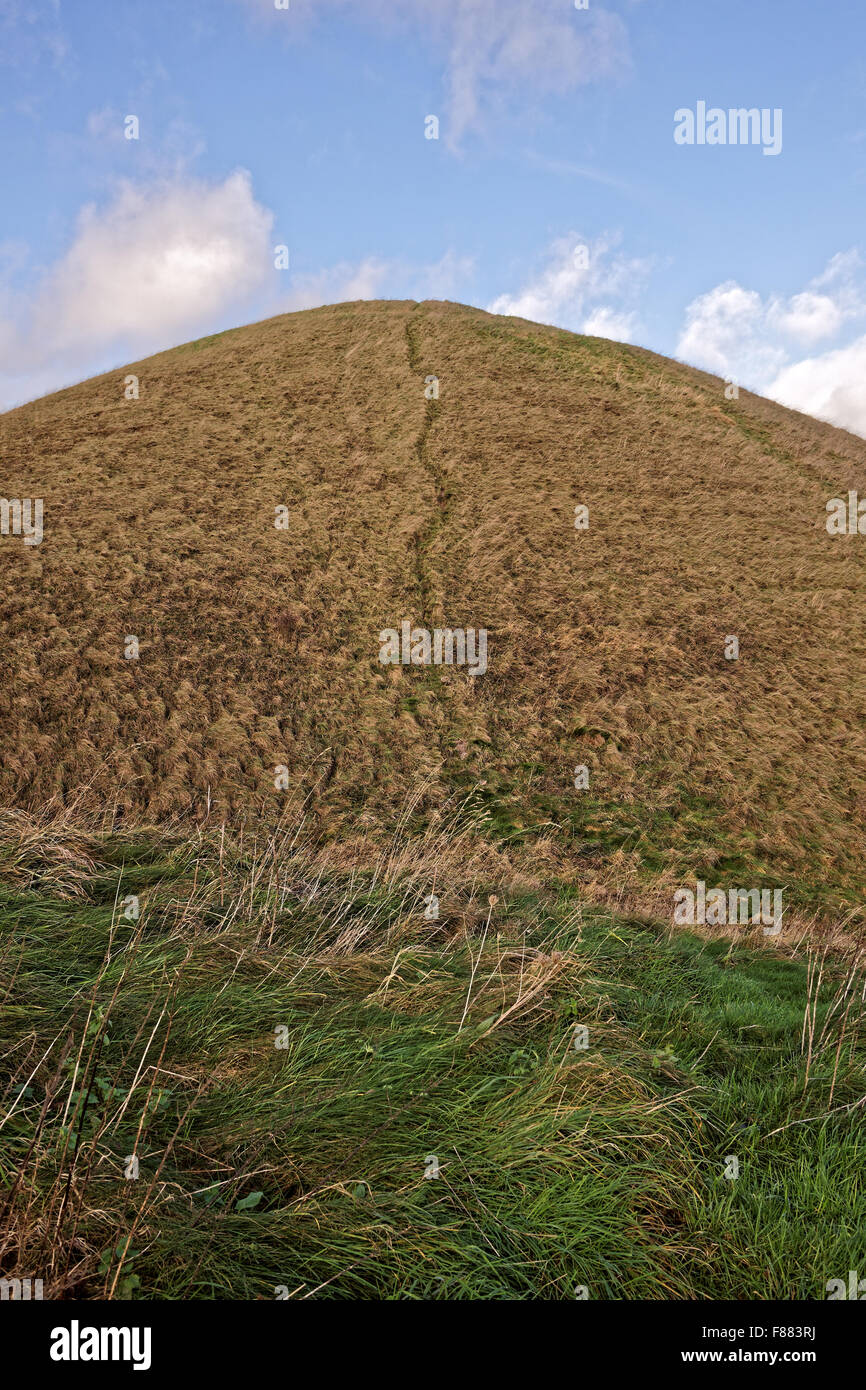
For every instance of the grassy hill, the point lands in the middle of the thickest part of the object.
(217, 856)
(259, 647)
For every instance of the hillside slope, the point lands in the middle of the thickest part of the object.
(259, 646)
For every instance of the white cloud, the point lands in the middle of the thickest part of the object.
(725, 332)
(153, 266)
(737, 333)
(605, 322)
(492, 49)
(832, 386)
(156, 262)
(577, 277)
(807, 317)
(731, 323)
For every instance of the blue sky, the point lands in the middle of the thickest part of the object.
(555, 190)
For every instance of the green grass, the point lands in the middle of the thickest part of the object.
(690, 835)
(302, 1168)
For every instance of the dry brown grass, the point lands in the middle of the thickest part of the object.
(52, 852)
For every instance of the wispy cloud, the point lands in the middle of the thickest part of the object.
(492, 50)
(379, 278)
(31, 33)
(586, 286)
(566, 168)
